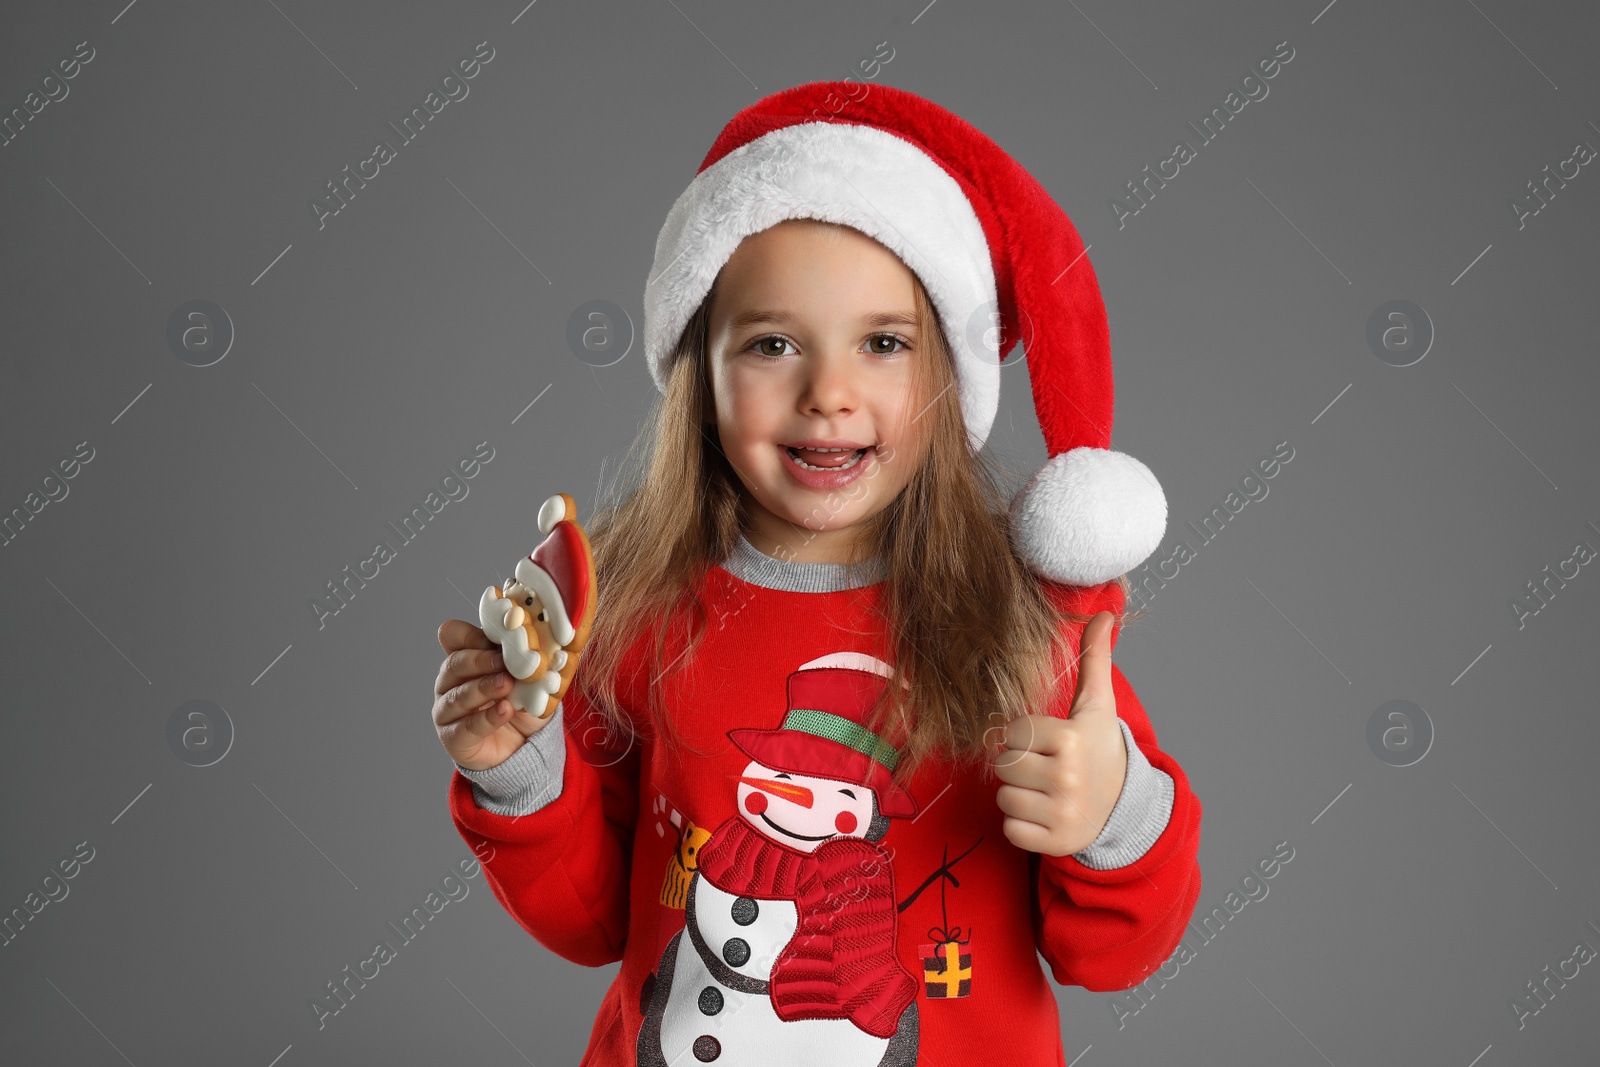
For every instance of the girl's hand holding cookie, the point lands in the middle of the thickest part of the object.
(1061, 777)
(476, 723)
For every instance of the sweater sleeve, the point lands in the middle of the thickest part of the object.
(1142, 811)
(553, 826)
(1106, 917)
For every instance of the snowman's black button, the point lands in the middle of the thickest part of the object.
(706, 1048)
(736, 950)
(710, 1000)
(744, 911)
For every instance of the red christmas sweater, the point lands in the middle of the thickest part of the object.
(932, 943)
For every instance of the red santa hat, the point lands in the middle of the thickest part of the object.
(998, 257)
(557, 571)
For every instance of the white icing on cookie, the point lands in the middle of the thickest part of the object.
(551, 512)
(521, 660)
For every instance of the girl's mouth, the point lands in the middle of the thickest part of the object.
(826, 459)
(827, 469)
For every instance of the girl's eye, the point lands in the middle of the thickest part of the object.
(896, 338)
(771, 338)
(529, 601)
(542, 617)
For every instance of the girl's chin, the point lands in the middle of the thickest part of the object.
(807, 511)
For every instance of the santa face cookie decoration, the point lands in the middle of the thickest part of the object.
(541, 620)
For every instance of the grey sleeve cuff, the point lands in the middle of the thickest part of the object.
(1140, 815)
(529, 778)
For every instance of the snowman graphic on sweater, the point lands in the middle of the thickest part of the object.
(787, 954)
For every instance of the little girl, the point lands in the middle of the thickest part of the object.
(831, 773)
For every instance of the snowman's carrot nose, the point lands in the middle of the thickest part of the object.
(797, 794)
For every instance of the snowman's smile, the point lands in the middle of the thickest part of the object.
(787, 833)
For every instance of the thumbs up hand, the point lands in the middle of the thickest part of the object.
(1061, 777)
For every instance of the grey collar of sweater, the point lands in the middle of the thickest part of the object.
(756, 567)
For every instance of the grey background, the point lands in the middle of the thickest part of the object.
(375, 353)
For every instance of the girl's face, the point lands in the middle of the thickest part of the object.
(813, 338)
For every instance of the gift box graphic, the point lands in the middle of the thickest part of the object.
(947, 955)
(947, 964)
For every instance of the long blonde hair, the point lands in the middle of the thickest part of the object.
(976, 639)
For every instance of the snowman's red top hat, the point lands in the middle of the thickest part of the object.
(824, 733)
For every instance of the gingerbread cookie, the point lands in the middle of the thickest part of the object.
(542, 618)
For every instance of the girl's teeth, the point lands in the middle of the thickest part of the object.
(851, 462)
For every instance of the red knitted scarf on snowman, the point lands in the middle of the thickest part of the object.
(841, 961)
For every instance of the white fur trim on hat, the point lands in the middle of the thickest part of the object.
(846, 173)
(1089, 515)
(538, 579)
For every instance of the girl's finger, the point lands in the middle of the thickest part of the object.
(524, 721)
(467, 698)
(466, 664)
(1094, 668)
(1026, 835)
(1028, 770)
(457, 634)
(478, 725)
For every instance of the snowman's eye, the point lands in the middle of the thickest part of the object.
(780, 774)
(848, 793)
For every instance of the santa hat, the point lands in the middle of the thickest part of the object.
(997, 256)
(824, 732)
(557, 571)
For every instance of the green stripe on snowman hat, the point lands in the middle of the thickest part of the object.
(824, 732)
(991, 247)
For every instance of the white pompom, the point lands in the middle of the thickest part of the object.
(1089, 515)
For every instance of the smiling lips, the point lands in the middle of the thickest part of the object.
(826, 465)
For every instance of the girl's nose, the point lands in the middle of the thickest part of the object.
(795, 794)
(831, 388)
